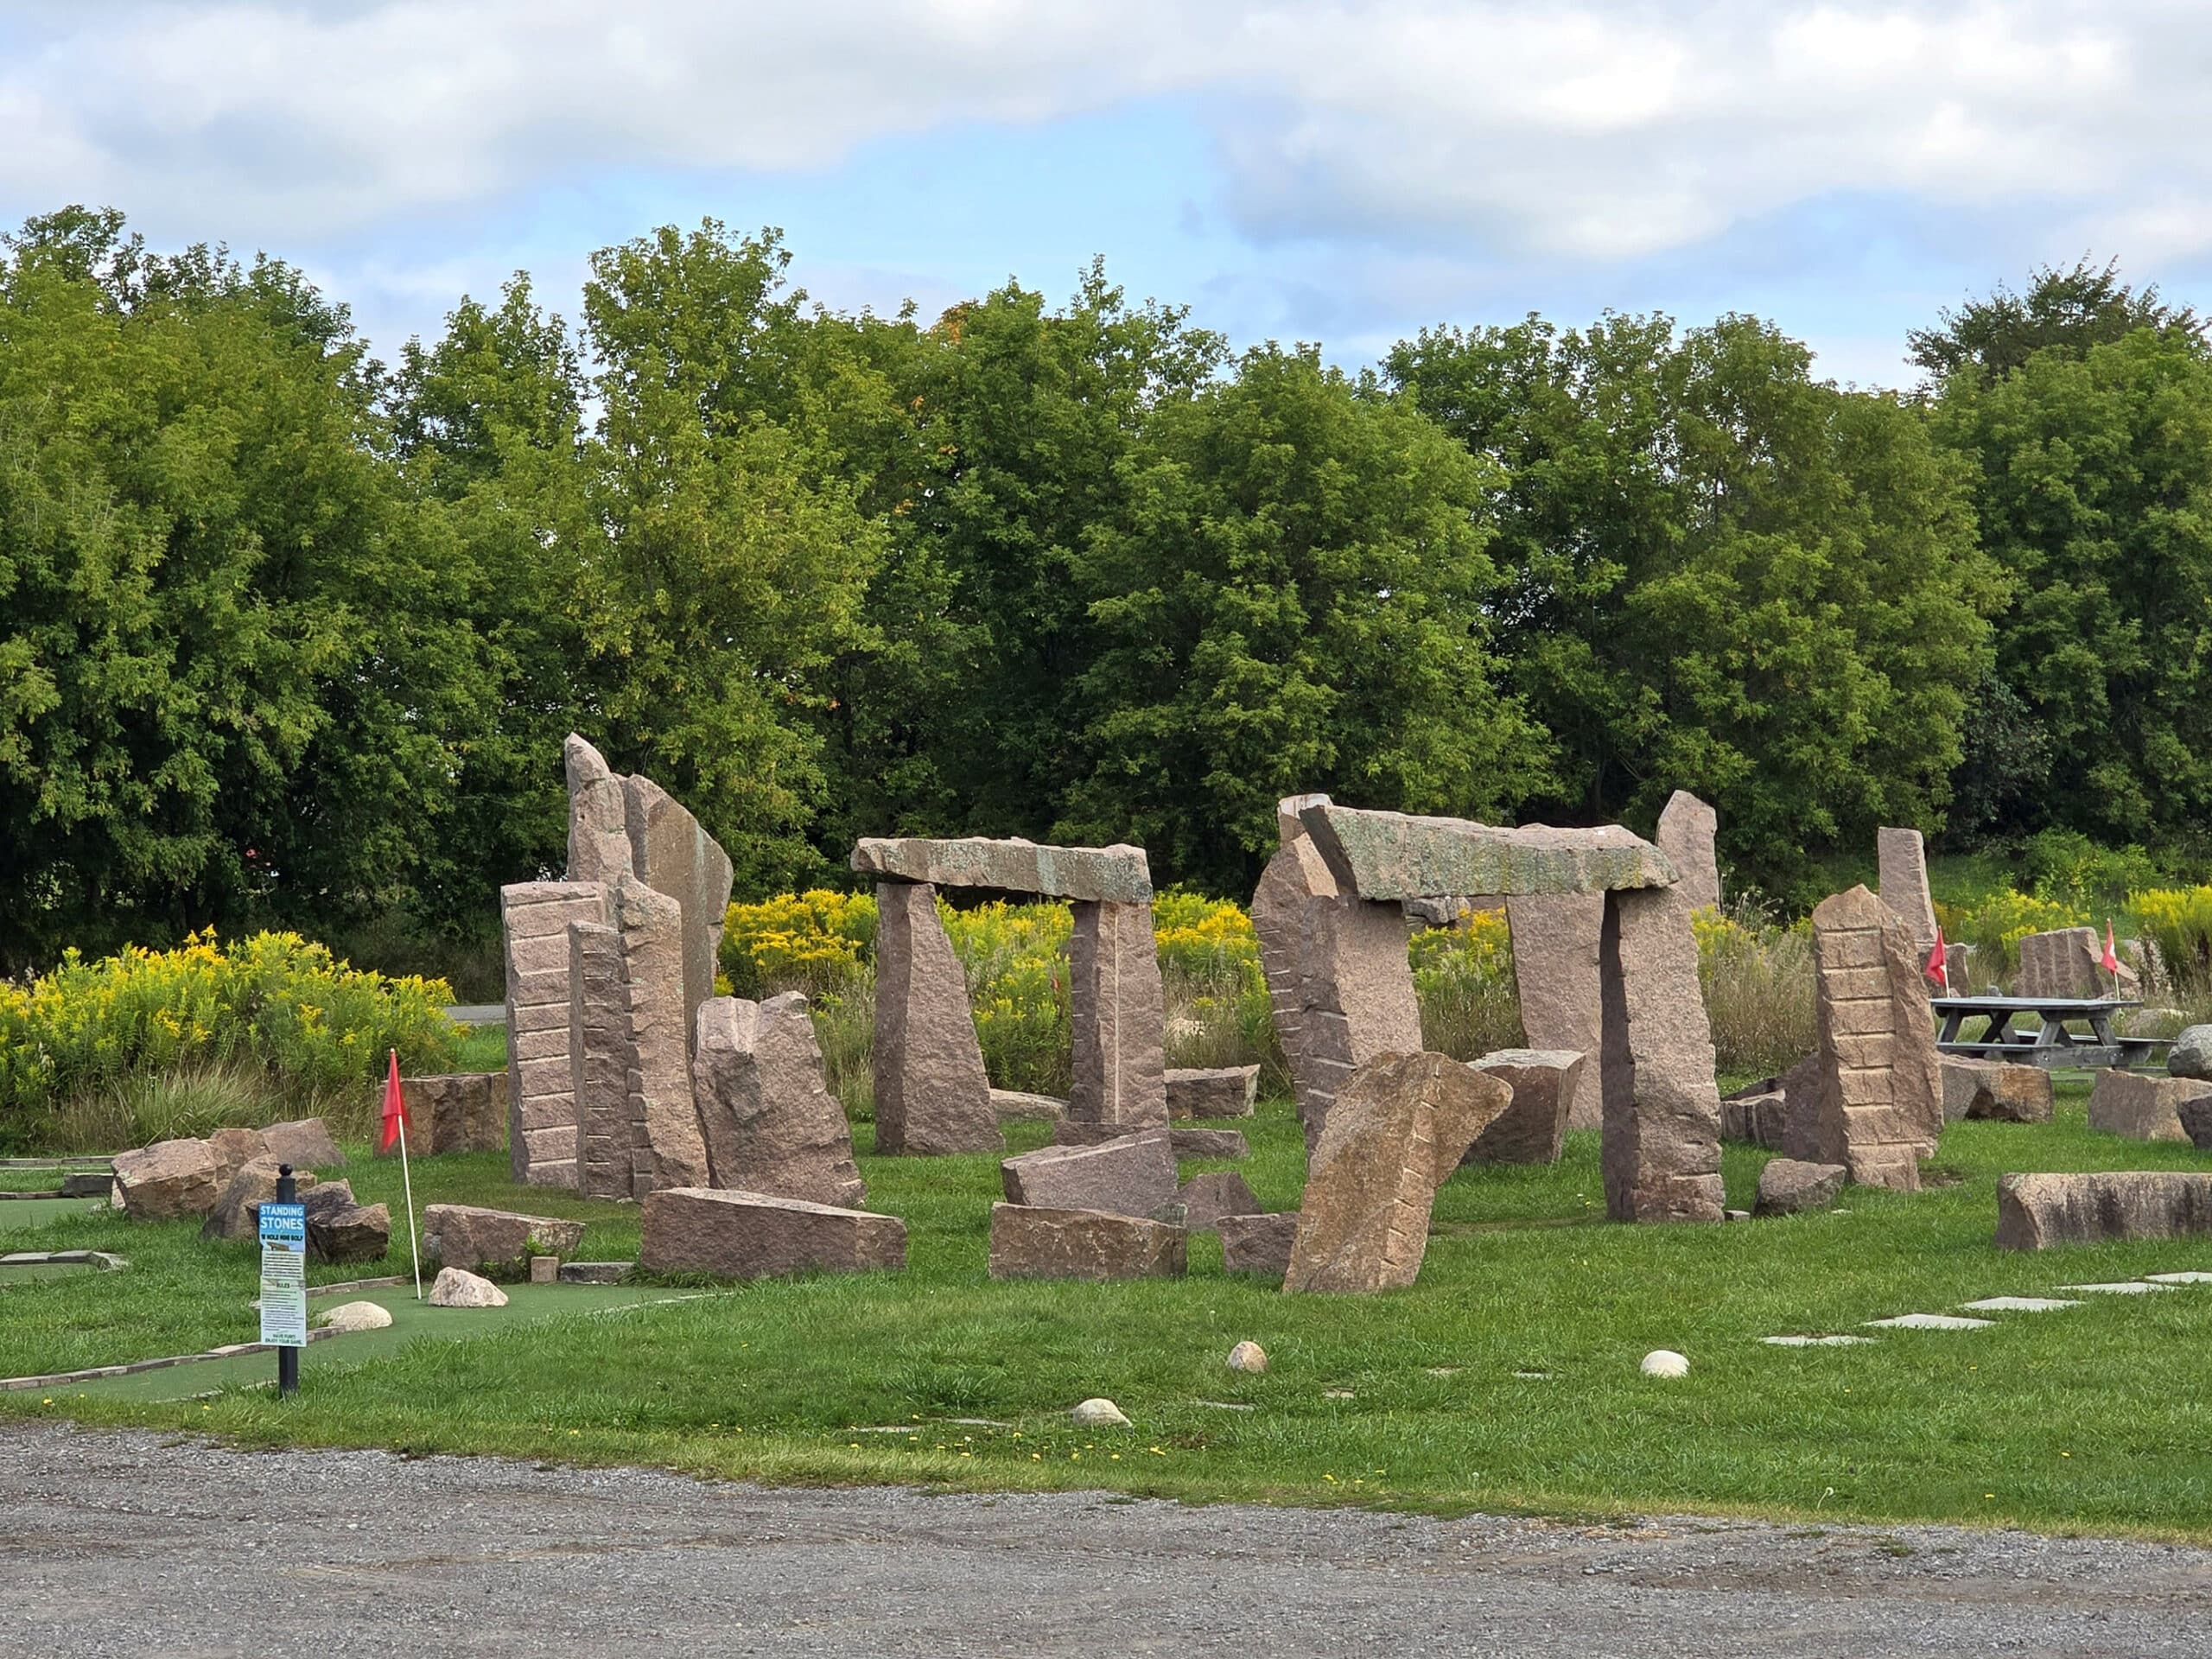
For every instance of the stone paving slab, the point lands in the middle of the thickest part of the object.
(2120, 1287)
(2018, 1305)
(1930, 1322)
(2180, 1278)
(1814, 1342)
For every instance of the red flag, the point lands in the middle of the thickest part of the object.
(1936, 960)
(2111, 963)
(395, 1106)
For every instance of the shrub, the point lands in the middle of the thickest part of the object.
(273, 1001)
(1758, 979)
(2179, 921)
(1995, 927)
(814, 942)
(1462, 977)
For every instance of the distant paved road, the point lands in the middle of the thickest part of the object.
(122, 1544)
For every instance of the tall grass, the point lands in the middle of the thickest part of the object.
(1757, 981)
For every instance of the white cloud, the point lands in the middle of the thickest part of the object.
(1578, 131)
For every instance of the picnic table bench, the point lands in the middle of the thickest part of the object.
(2047, 1041)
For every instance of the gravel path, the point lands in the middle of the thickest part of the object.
(133, 1544)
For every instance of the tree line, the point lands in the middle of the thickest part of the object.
(290, 635)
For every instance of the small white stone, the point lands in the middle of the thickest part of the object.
(2180, 1278)
(1248, 1356)
(1931, 1322)
(2120, 1287)
(1098, 1413)
(458, 1288)
(357, 1316)
(1665, 1362)
(2018, 1305)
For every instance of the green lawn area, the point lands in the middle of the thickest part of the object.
(1506, 1379)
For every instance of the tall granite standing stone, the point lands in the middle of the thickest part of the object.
(1902, 857)
(1555, 937)
(672, 853)
(1661, 1152)
(534, 917)
(459, 1111)
(1880, 1108)
(599, 830)
(771, 1123)
(1396, 1132)
(1337, 974)
(1119, 1018)
(666, 1149)
(599, 1060)
(931, 1095)
(1686, 829)
(2070, 962)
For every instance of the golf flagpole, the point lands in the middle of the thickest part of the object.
(395, 1127)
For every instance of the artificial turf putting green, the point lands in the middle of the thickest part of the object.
(1506, 1378)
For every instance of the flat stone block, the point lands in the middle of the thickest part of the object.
(1212, 1091)
(1209, 1143)
(2141, 1107)
(1012, 1105)
(2018, 1305)
(469, 1237)
(2120, 1287)
(1117, 875)
(2036, 1212)
(1129, 1175)
(1394, 856)
(1257, 1244)
(1813, 1342)
(1040, 1243)
(1533, 1129)
(754, 1235)
(1930, 1322)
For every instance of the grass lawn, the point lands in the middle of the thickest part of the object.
(1506, 1379)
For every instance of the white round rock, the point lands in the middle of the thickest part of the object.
(1099, 1413)
(1248, 1356)
(1665, 1362)
(357, 1316)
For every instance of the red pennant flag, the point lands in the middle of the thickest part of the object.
(395, 1106)
(2111, 963)
(1936, 960)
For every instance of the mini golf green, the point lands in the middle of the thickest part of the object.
(27, 1213)
(410, 1321)
(14, 1271)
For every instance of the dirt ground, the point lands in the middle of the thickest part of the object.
(139, 1544)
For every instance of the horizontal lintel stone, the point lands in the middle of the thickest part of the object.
(1117, 875)
(1385, 856)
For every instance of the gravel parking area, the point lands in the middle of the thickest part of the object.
(136, 1544)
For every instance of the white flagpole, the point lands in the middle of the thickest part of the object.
(407, 1186)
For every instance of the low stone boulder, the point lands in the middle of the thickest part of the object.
(235, 1148)
(1759, 1114)
(2142, 1107)
(1963, 1079)
(88, 1183)
(1012, 1105)
(1028, 1242)
(594, 1273)
(2036, 1212)
(735, 1234)
(356, 1316)
(168, 1179)
(341, 1230)
(455, 1288)
(1130, 1175)
(1209, 1143)
(2019, 1094)
(1212, 1091)
(2191, 1054)
(464, 1235)
(304, 1143)
(456, 1112)
(1788, 1185)
(1206, 1199)
(237, 1213)
(2196, 1117)
(1257, 1244)
(1533, 1129)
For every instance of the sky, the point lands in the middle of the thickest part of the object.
(1344, 173)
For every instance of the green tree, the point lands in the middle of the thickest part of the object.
(1725, 575)
(2068, 310)
(1291, 595)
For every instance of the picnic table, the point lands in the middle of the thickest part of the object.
(2046, 1041)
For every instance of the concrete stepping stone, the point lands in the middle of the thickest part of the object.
(2180, 1278)
(1933, 1322)
(2018, 1305)
(2119, 1288)
(1815, 1342)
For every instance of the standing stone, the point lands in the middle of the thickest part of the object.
(673, 855)
(1119, 1017)
(534, 917)
(1661, 1152)
(599, 830)
(1686, 834)
(931, 1095)
(1396, 1131)
(771, 1125)
(754, 1235)
(599, 1060)
(456, 1111)
(2068, 962)
(1032, 1243)
(666, 1149)
(2142, 1108)
(1532, 1129)
(1881, 1099)
(1902, 858)
(1555, 937)
(1338, 975)
(1131, 1176)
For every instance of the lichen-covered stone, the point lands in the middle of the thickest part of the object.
(1397, 1131)
(931, 1095)
(1032, 1243)
(1117, 875)
(2036, 1212)
(771, 1122)
(1394, 855)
